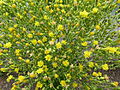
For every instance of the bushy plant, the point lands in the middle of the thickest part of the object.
(59, 44)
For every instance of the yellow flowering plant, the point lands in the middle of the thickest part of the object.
(58, 44)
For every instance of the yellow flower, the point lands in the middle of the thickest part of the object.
(118, 1)
(32, 75)
(99, 74)
(40, 70)
(68, 76)
(64, 42)
(92, 33)
(7, 45)
(30, 35)
(87, 54)
(48, 57)
(44, 39)
(75, 84)
(39, 41)
(58, 45)
(16, 25)
(39, 85)
(115, 84)
(13, 6)
(56, 75)
(17, 51)
(51, 34)
(9, 78)
(63, 83)
(21, 78)
(16, 70)
(11, 29)
(111, 49)
(54, 64)
(65, 63)
(47, 51)
(95, 42)
(27, 61)
(84, 44)
(95, 74)
(1, 2)
(34, 41)
(46, 17)
(60, 27)
(37, 23)
(97, 27)
(105, 67)
(40, 63)
(84, 13)
(91, 64)
(3, 69)
(95, 10)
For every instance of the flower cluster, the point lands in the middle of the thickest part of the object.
(58, 44)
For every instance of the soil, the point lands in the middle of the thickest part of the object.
(114, 75)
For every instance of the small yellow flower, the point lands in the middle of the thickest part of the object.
(27, 61)
(17, 51)
(30, 35)
(34, 41)
(13, 6)
(40, 70)
(39, 85)
(64, 42)
(105, 67)
(3, 69)
(32, 75)
(87, 54)
(44, 39)
(37, 23)
(95, 42)
(68, 76)
(95, 10)
(21, 78)
(118, 1)
(84, 13)
(95, 74)
(92, 33)
(16, 70)
(60, 27)
(99, 74)
(8, 45)
(48, 57)
(63, 83)
(58, 45)
(84, 44)
(40, 63)
(9, 78)
(111, 49)
(115, 84)
(65, 63)
(16, 25)
(39, 41)
(54, 64)
(56, 75)
(51, 34)
(47, 51)
(91, 64)
(46, 17)
(97, 27)
(75, 84)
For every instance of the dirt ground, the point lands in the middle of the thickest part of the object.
(114, 75)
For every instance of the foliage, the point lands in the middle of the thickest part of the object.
(59, 44)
